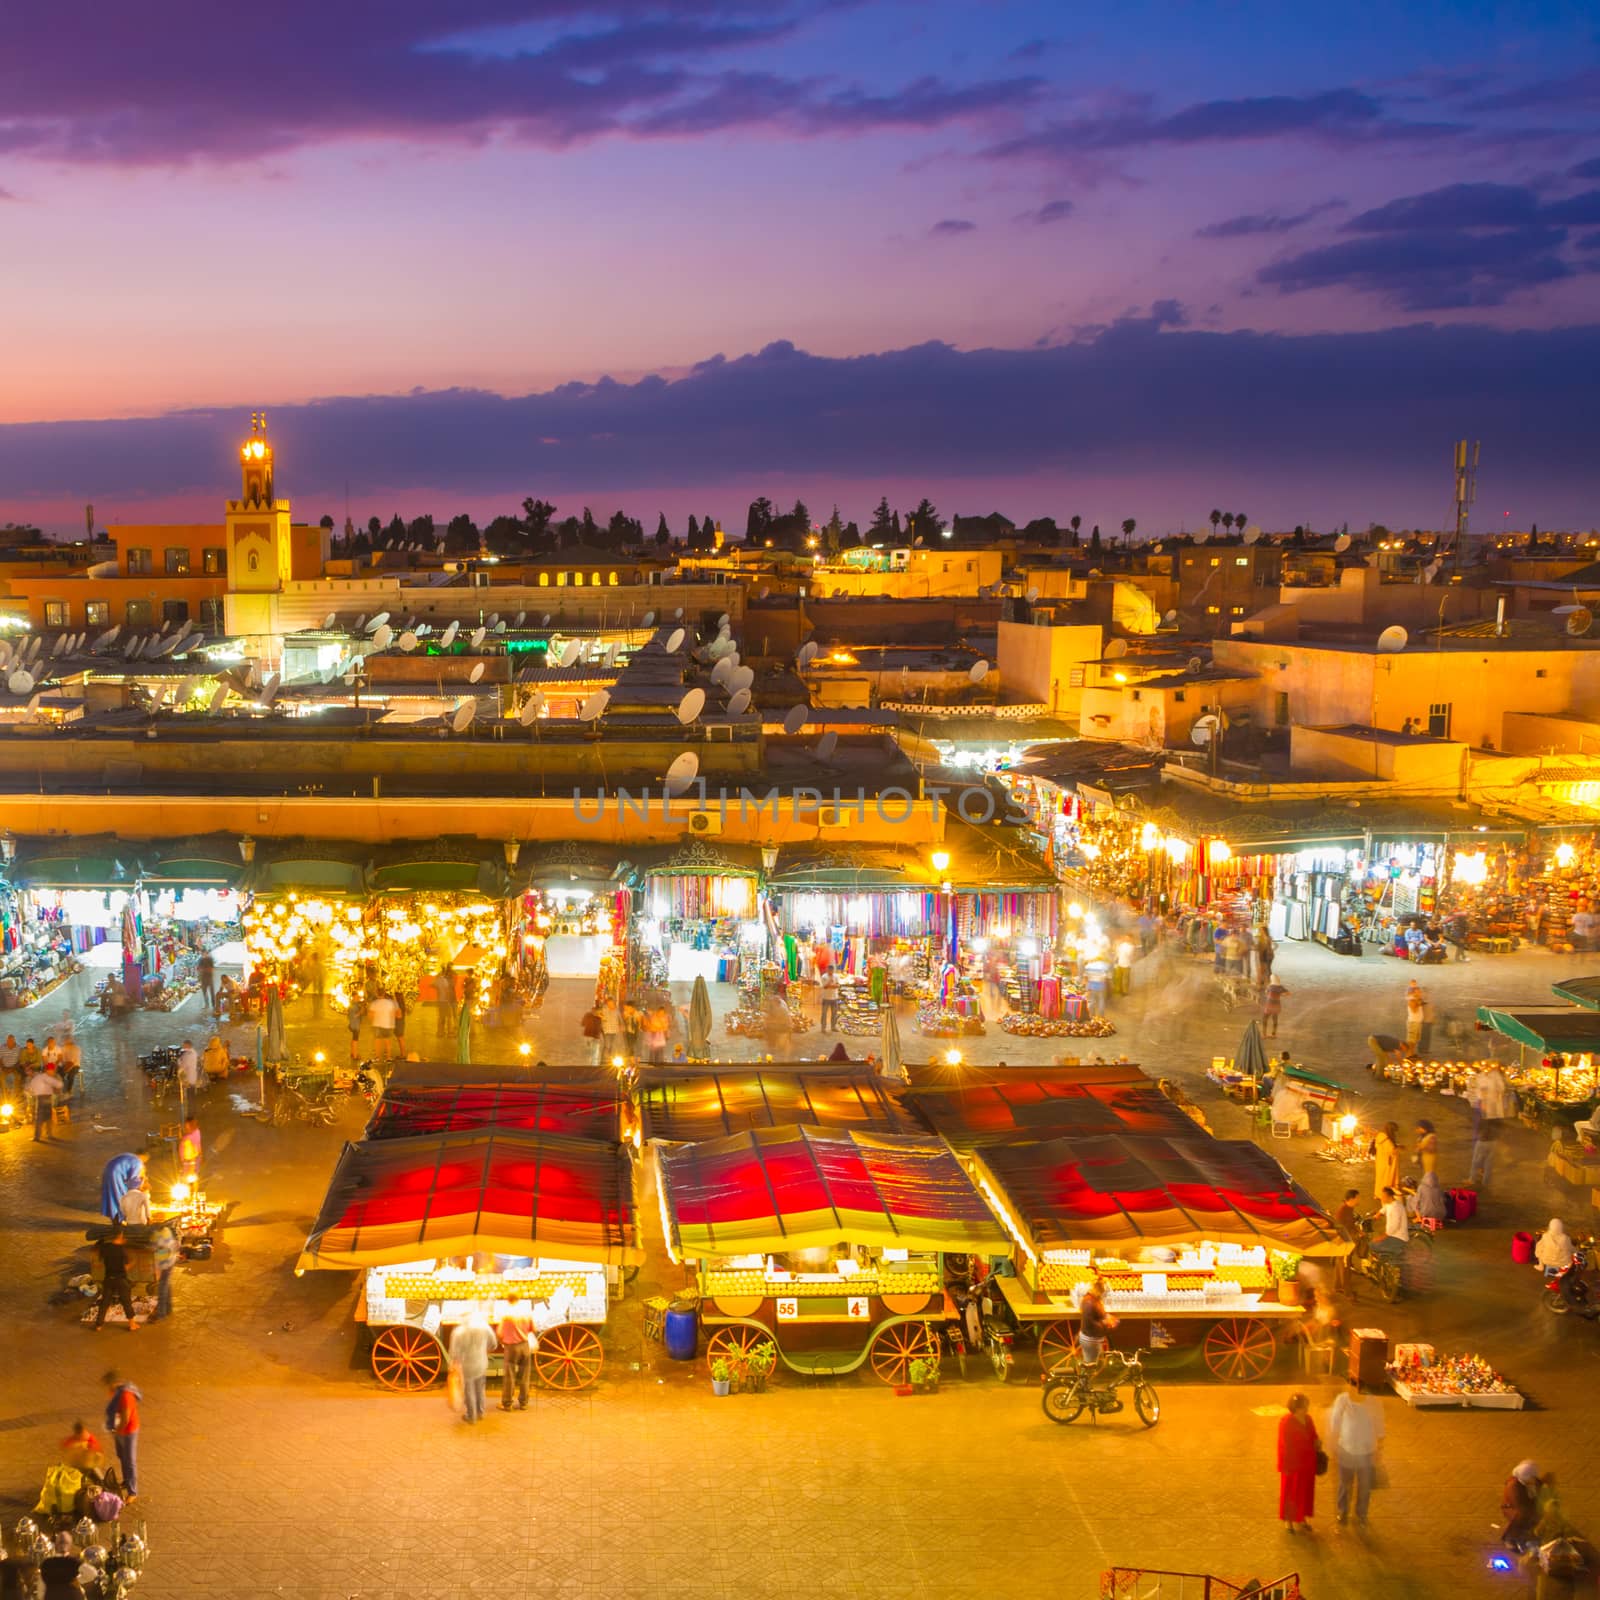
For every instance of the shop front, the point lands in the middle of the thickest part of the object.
(572, 913)
(304, 924)
(696, 913)
(71, 903)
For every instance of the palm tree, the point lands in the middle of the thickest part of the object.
(1128, 526)
(1216, 517)
(1227, 522)
(1075, 523)
(1238, 519)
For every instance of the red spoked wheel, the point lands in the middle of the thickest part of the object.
(568, 1357)
(1240, 1350)
(407, 1358)
(1058, 1346)
(734, 1344)
(898, 1346)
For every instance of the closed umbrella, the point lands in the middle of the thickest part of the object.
(893, 1066)
(700, 1021)
(1251, 1055)
(275, 1046)
(464, 1036)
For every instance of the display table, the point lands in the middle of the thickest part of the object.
(1575, 1164)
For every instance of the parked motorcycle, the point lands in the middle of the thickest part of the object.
(1072, 1390)
(1575, 1290)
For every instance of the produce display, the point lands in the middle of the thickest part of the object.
(1029, 1025)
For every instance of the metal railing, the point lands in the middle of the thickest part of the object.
(1147, 1583)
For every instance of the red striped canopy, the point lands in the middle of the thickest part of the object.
(494, 1191)
(712, 1105)
(789, 1189)
(583, 1111)
(1046, 1107)
(1113, 1190)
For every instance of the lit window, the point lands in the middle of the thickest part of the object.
(544, 580)
(561, 580)
(55, 613)
(612, 579)
(138, 562)
(1212, 611)
(1241, 561)
(213, 561)
(96, 613)
(177, 561)
(1216, 561)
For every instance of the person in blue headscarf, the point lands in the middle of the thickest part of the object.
(120, 1175)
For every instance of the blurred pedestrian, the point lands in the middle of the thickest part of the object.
(69, 1063)
(1355, 1437)
(1520, 1501)
(470, 1347)
(1272, 994)
(444, 1000)
(1416, 1014)
(381, 1012)
(1427, 1146)
(515, 1334)
(118, 1174)
(828, 990)
(190, 1073)
(164, 1247)
(1483, 1148)
(207, 968)
(112, 1250)
(316, 979)
(353, 1015)
(43, 1086)
(122, 1421)
(1122, 970)
(1385, 1153)
(1300, 1458)
(189, 1150)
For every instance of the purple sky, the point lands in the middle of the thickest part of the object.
(1140, 261)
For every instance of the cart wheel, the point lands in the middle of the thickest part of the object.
(1241, 1350)
(406, 1357)
(734, 1344)
(568, 1356)
(898, 1346)
(1058, 1345)
(957, 1267)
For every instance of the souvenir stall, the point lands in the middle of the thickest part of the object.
(189, 904)
(483, 1220)
(697, 908)
(1560, 883)
(674, 1109)
(826, 1245)
(571, 910)
(66, 908)
(1557, 1075)
(306, 899)
(1198, 1240)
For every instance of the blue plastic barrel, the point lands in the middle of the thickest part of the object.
(682, 1331)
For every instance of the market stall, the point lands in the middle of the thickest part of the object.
(827, 1243)
(690, 1110)
(486, 1218)
(428, 1099)
(1193, 1237)
(697, 908)
(572, 912)
(64, 910)
(1423, 1379)
(1563, 1079)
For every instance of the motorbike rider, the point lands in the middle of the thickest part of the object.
(1396, 1226)
(1094, 1328)
(1555, 1248)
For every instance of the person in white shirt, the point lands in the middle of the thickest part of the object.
(189, 1070)
(382, 1013)
(1354, 1435)
(470, 1347)
(1555, 1248)
(1122, 973)
(1396, 1226)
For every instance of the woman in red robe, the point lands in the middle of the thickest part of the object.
(1297, 1464)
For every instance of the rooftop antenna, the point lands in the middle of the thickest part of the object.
(1466, 491)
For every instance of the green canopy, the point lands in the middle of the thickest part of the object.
(1552, 1032)
(1583, 992)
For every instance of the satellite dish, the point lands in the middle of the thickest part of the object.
(795, 718)
(529, 712)
(20, 682)
(719, 673)
(765, 590)
(494, 617)
(827, 744)
(465, 712)
(1204, 729)
(1251, 534)
(522, 616)
(594, 707)
(682, 773)
(408, 641)
(1392, 639)
(477, 638)
(348, 679)
(111, 633)
(1195, 664)
(546, 622)
(649, 619)
(476, 673)
(361, 623)
(980, 671)
(382, 638)
(1169, 619)
(741, 678)
(1116, 649)
(448, 638)
(692, 704)
(1342, 543)
(377, 622)
(570, 653)
(56, 644)
(808, 653)
(218, 695)
(738, 702)
(1580, 622)
(916, 544)
(329, 620)
(1156, 547)
(674, 639)
(677, 616)
(1033, 593)
(723, 622)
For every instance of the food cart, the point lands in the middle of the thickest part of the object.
(676, 1109)
(830, 1244)
(1190, 1235)
(414, 1102)
(487, 1217)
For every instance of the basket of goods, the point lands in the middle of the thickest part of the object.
(1030, 1025)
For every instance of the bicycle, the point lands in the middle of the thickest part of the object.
(1070, 1391)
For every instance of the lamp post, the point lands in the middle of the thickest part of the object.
(940, 861)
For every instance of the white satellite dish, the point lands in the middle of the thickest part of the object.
(1156, 547)
(56, 644)
(827, 744)
(20, 682)
(361, 623)
(522, 616)
(1251, 534)
(741, 678)
(692, 704)
(383, 637)
(1195, 664)
(795, 718)
(916, 544)
(477, 638)
(594, 707)
(494, 617)
(218, 695)
(980, 671)
(1580, 622)
(448, 638)
(1342, 543)
(1204, 729)
(765, 590)
(408, 641)
(500, 627)
(738, 703)
(1033, 593)
(677, 616)
(529, 712)
(674, 640)
(1392, 639)
(719, 673)
(682, 773)
(1116, 649)
(1169, 619)
(329, 620)
(465, 712)
(476, 673)
(377, 622)
(166, 622)
(570, 653)
(808, 653)
(111, 633)
(546, 622)
(649, 619)
(724, 622)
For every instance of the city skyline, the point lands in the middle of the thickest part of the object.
(623, 256)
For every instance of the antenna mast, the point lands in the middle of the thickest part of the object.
(1466, 490)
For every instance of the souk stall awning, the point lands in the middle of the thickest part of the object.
(1047, 1107)
(1583, 992)
(212, 862)
(713, 1105)
(1565, 1032)
(995, 860)
(692, 858)
(1116, 1190)
(849, 869)
(308, 866)
(793, 1189)
(592, 1111)
(436, 867)
(505, 1193)
(580, 868)
(98, 862)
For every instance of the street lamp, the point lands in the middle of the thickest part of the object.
(940, 860)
